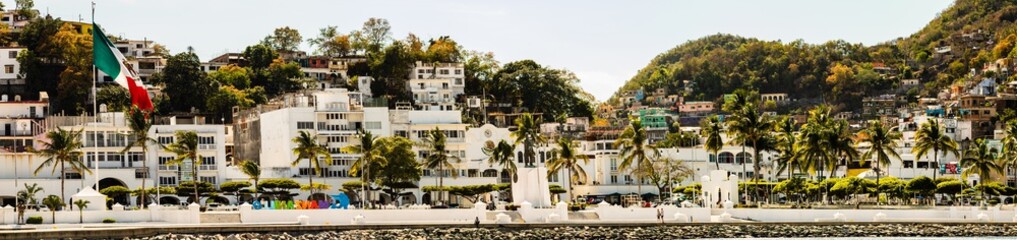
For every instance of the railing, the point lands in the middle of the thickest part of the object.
(207, 168)
(206, 146)
(168, 167)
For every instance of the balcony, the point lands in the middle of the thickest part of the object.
(209, 167)
(206, 146)
(168, 167)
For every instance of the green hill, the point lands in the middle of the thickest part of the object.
(838, 72)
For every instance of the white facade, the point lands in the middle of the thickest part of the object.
(11, 67)
(437, 86)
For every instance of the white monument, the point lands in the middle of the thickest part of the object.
(531, 186)
(718, 188)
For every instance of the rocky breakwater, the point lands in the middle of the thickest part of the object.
(646, 232)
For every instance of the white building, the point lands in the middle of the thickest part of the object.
(102, 145)
(437, 85)
(12, 68)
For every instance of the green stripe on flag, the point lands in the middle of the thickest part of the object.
(105, 60)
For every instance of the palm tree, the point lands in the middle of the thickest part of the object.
(528, 134)
(54, 203)
(980, 159)
(811, 151)
(840, 144)
(632, 148)
(1009, 154)
(28, 195)
(502, 155)
(882, 145)
(568, 157)
(60, 152)
(786, 141)
(140, 121)
(308, 148)
(186, 149)
(253, 172)
(370, 151)
(81, 204)
(751, 127)
(711, 128)
(439, 158)
(931, 136)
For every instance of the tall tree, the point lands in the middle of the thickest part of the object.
(786, 141)
(184, 83)
(140, 122)
(308, 148)
(752, 127)
(444, 49)
(931, 136)
(76, 77)
(528, 134)
(812, 145)
(371, 38)
(284, 39)
(633, 149)
(41, 61)
(401, 169)
(371, 154)
(63, 151)
(1009, 154)
(981, 159)
(439, 158)
(882, 145)
(710, 128)
(331, 43)
(840, 144)
(569, 158)
(186, 149)
(502, 155)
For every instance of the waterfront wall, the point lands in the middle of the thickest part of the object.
(944, 214)
(153, 214)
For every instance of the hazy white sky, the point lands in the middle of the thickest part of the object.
(603, 42)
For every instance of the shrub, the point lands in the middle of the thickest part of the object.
(577, 206)
(109, 220)
(34, 220)
(511, 207)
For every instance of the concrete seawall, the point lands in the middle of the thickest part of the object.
(148, 231)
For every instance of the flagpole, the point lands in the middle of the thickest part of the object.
(95, 110)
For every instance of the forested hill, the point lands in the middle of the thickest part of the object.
(965, 36)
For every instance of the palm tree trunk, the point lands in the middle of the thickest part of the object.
(716, 159)
(441, 182)
(755, 169)
(63, 196)
(310, 178)
(144, 165)
(935, 161)
(569, 181)
(194, 181)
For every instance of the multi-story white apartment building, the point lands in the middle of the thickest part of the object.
(437, 85)
(103, 145)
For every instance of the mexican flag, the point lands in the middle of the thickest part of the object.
(109, 60)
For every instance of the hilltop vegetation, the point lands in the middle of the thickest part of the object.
(837, 71)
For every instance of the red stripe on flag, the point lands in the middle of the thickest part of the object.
(139, 96)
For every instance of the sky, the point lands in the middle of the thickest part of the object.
(604, 42)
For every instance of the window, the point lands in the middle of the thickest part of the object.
(909, 164)
(490, 173)
(614, 165)
(305, 125)
(923, 164)
(726, 157)
(206, 140)
(444, 85)
(459, 81)
(141, 173)
(165, 140)
(207, 179)
(135, 157)
(443, 71)
(372, 125)
(208, 163)
(459, 71)
(472, 173)
(9, 68)
(168, 181)
(628, 179)
(614, 179)
(12, 54)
